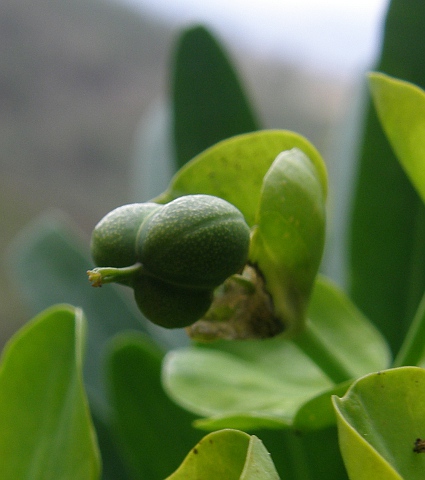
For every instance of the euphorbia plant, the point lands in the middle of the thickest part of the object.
(322, 335)
(335, 348)
(292, 340)
(278, 350)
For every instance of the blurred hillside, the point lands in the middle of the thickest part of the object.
(76, 77)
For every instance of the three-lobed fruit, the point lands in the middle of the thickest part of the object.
(195, 241)
(174, 254)
(114, 237)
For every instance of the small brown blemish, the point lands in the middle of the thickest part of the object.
(419, 446)
(195, 451)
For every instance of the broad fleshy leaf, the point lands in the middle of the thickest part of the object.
(113, 466)
(234, 168)
(154, 434)
(381, 424)
(264, 383)
(245, 385)
(230, 454)
(317, 413)
(401, 110)
(208, 100)
(288, 238)
(46, 431)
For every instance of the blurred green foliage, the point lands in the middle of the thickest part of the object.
(388, 220)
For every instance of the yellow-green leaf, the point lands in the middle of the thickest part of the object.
(401, 110)
(46, 431)
(288, 239)
(229, 454)
(233, 169)
(380, 420)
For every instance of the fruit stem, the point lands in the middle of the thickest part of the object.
(101, 275)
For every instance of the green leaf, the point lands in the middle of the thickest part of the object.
(233, 169)
(387, 258)
(379, 420)
(209, 103)
(46, 430)
(153, 433)
(258, 463)
(312, 455)
(401, 110)
(264, 383)
(245, 385)
(49, 263)
(288, 239)
(317, 413)
(353, 339)
(113, 466)
(230, 453)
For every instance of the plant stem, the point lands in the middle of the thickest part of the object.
(100, 275)
(416, 275)
(412, 348)
(316, 349)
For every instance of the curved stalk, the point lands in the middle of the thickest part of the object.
(100, 275)
(412, 348)
(313, 346)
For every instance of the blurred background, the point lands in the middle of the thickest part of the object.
(83, 84)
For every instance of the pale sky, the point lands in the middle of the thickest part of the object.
(329, 34)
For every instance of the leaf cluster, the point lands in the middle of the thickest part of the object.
(336, 395)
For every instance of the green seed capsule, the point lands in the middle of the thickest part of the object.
(168, 305)
(195, 241)
(113, 238)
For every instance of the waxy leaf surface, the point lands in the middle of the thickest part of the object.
(289, 233)
(46, 431)
(230, 454)
(401, 110)
(379, 420)
(234, 168)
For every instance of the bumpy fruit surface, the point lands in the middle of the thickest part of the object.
(168, 305)
(113, 238)
(195, 241)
